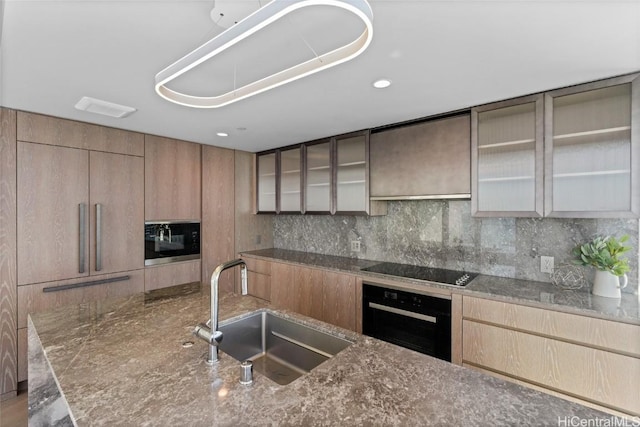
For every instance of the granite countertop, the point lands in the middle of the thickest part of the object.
(537, 294)
(122, 362)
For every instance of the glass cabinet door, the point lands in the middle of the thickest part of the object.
(267, 182)
(290, 184)
(351, 174)
(318, 178)
(591, 151)
(507, 158)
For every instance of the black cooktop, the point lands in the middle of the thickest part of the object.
(438, 275)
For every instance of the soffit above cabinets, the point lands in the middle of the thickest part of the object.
(441, 57)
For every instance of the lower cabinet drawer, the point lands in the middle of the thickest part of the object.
(47, 296)
(602, 377)
(178, 273)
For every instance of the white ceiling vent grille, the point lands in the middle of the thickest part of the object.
(105, 108)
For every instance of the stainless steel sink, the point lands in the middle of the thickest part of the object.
(280, 349)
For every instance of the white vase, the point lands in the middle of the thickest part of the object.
(607, 285)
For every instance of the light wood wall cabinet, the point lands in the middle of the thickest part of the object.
(332, 175)
(324, 295)
(593, 361)
(172, 179)
(507, 149)
(68, 133)
(427, 160)
(593, 149)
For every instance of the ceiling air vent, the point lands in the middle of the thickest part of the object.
(105, 108)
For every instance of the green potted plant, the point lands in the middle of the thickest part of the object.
(604, 253)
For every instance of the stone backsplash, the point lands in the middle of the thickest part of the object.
(442, 233)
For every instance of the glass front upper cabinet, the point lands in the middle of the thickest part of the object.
(266, 183)
(507, 158)
(290, 180)
(591, 150)
(318, 177)
(352, 189)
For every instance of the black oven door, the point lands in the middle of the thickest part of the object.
(418, 322)
(171, 241)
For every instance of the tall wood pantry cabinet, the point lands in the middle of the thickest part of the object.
(80, 215)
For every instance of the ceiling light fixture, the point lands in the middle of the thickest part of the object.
(106, 108)
(382, 83)
(264, 16)
(222, 134)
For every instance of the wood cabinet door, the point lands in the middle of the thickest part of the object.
(422, 160)
(309, 292)
(172, 179)
(52, 185)
(217, 228)
(117, 212)
(283, 294)
(339, 299)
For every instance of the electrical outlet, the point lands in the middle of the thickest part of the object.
(546, 264)
(355, 246)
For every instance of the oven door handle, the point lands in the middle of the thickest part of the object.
(403, 312)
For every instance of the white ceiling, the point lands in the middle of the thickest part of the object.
(441, 56)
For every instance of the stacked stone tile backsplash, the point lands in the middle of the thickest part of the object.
(442, 233)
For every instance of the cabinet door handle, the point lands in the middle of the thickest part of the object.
(85, 284)
(83, 217)
(98, 237)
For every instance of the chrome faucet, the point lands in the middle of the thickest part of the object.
(209, 331)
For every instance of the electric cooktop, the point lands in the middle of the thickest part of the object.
(438, 275)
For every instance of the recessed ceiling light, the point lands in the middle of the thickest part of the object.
(222, 134)
(106, 108)
(381, 83)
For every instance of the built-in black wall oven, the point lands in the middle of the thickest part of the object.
(170, 241)
(415, 321)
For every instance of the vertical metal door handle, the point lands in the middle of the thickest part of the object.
(83, 218)
(98, 237)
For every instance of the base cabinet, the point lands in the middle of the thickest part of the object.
(323, 295)
(593, 361)
(258, 278)
(43, 297)
(172, 274)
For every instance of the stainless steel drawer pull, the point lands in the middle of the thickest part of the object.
(98, 237)
(81, 247)
(403, 312)
(85, 284)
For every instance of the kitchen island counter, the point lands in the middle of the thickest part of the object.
(130, 362)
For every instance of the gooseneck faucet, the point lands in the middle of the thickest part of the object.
(209, 331)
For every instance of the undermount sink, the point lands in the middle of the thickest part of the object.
(280, 349)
